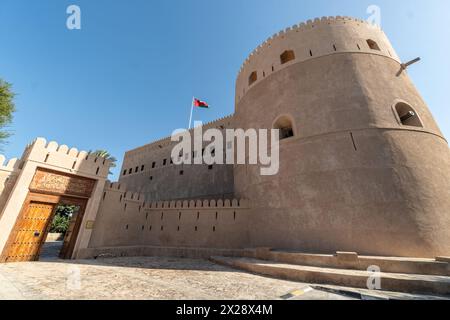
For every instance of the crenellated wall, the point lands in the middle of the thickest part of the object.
(166, 181)
(8, 176)
(17, 175)
(315, 38)
(125, 219)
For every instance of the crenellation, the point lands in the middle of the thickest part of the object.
(196, 204)
(11, 165)
(73, 152)
(267, 54)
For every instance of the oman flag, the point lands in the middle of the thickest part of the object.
(200, 104)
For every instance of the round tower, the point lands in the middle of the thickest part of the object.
(363, 164)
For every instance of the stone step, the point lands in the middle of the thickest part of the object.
(350, 260)
(397, 282)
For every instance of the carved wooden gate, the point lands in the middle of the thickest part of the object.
(30, 232)
(47, 190)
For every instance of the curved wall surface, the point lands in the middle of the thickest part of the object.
(356, 176)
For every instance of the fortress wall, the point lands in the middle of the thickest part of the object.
(125, 219)
(353, 177)
(311, 40)
(165, 182)
(8, 176)
(56, 158)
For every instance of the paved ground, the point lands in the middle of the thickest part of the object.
(154, 278)
(137, 278)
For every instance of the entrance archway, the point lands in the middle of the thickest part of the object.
(47, 191)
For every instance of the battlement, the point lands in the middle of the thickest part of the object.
(10, 166)
(136, 197)
(114, 186)
(165, 142)
(309, 40)
(303, 26)
(61, 156)
(199, 204)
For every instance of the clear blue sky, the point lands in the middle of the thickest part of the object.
(128, 76)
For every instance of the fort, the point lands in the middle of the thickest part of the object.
(364, 167)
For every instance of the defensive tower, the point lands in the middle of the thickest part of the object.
(363, 164)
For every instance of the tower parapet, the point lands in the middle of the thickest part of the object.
(305, 41)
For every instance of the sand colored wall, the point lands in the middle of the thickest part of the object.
(164, 182)
(353, 178)
(125, 219)
(311, 40)
(59, 158)
(8, 176)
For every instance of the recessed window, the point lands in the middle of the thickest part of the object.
(210, 167)
(164, 162)
(151, 178)
(130, 171)
(287, 56)
(181, 172)
(284, 124)
(125, 172)
(407, 115)
(373, 45)
(136, 169)
(253, 78)
(142, 168)
(153, 165)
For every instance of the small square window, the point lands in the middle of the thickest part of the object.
(210, 167)
(252, 78)
(287, 56)
(181, 172)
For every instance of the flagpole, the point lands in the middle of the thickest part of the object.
(192, 110)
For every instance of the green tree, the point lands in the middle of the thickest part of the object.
(7, 109)
(105, 154)
(63, 215)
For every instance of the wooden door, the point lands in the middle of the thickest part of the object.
(30, 232)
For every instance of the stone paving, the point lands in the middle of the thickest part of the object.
(136, 278)
(148, 278)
